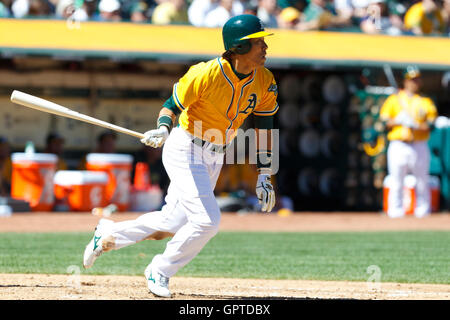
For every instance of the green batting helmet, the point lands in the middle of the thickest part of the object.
(238, 30)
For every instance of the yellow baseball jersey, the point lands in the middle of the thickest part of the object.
(416, 17)
(421, 109)
(214, 102)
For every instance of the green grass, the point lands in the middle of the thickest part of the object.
(410, 257)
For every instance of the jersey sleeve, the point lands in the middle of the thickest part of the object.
(188, 89)
(171, 105)
(387, 109)
(268, 105)
(430, 109)
(263, 122)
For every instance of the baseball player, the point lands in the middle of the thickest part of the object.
(409, 118)
(212, 100)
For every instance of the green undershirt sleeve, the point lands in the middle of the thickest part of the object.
(263, 122)
(170, 104)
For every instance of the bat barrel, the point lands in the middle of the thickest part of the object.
(40, 104)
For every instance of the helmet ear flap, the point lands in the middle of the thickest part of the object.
(242, 47)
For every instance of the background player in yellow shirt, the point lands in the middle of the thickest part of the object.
(213, 99)
(424, 18)
(409, 117)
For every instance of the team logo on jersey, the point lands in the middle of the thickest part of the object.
(251, 104)
(273, 88)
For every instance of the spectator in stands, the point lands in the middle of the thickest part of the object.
(250, 7)
(171, 12)
(425, 18)
(4, 8)
(399, 7)
(109, 10)
(300, 5)
(52, 4)
(89, 8)
(318, 15)
(345, 10)
(396, 11)
(19, 8)
(199, 9)
(217, 17)
(289, 18)
(379, 20)
(39, 8)
(5, 167)
(54, 143)
(446, 16)
(30, 8)
(134, 10)
(268, 12)
(69, 9)
(351, 11)
(64, 9)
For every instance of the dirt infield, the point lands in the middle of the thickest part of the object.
(302, 222)
(74, 287)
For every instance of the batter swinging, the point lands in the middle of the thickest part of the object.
(213, 99)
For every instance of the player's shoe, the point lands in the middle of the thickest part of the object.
(157, 283)
(94, 248)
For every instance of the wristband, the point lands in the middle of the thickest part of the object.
(264, 161)
(166, 121)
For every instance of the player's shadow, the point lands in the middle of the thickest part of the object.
(231, 297)
(30, 286)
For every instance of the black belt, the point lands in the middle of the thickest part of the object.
(209, 146)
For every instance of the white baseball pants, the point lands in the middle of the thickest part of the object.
(191, 211)
(404, 158)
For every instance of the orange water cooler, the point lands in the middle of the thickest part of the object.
(118, 168)
(81, 190)
(32, 179)
(144, 196)
(409, 193)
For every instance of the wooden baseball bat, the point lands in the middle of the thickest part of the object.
(40, 104)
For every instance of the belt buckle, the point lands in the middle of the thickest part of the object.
(212, 147)
(206, 145)
(198, 142)
(216, 148)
